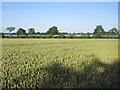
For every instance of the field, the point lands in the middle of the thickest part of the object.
(59, 63)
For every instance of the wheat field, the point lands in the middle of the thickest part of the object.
(59, 63)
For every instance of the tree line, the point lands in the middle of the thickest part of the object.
(99, 30)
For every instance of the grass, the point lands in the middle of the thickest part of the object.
(59, 63)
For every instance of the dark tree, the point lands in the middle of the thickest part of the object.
(21, 31)
(38, 33)
(99, 30)
(113, 31)
(53, 30)
(64, 33)
(10, 29)
(88, 34)
(31, 31)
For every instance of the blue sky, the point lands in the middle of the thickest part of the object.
(67, 16)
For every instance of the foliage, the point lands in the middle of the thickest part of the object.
(31, 31)
(99, 30)
(113, 31)
(21, 31)
(88, 34)
(38, 33)
(10, 29)
(53, 30)
(59, 63)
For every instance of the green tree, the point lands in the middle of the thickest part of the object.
(31, 31)
(113, 31)
(21, 31)
(10, 29)
(38, 33)
(99, 30)
(88, 34)
(53, 30)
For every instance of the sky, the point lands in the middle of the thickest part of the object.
(67, 16)
(60, 0)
